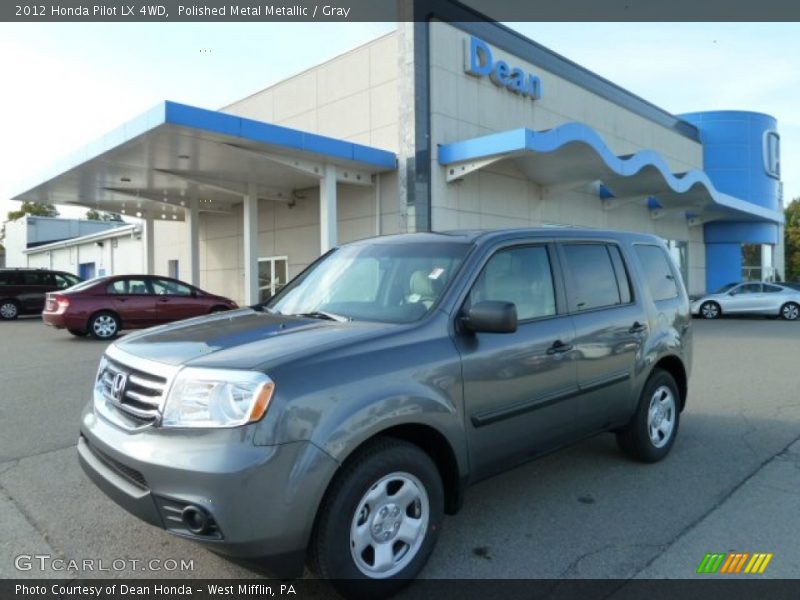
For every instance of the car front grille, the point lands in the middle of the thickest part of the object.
(138, 394)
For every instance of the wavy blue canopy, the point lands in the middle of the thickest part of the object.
(575, 152)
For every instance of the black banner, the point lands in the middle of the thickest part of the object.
(395, 10)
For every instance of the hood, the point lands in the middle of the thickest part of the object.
(243, 339)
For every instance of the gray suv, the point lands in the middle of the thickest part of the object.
(338, 422)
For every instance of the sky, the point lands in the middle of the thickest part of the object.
(64, 85)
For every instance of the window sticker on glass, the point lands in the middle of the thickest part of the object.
(436, 273)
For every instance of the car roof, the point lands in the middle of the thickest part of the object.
(482, 236)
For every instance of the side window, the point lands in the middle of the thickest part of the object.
(32, 278)
(659, 276)
(594, 280)
(165, 287)
(772, 289)
(522, 276)
(8, 278)
(623, 283)
(749, 288)
(135, 287)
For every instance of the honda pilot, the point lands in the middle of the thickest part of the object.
(337, 423)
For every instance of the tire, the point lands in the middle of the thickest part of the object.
(790, 311)
(9, 310)
(104, 325)
(710, 310)
(652, 431)
(77, 332)
(389, 488)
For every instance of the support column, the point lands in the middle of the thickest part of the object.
(193, 222)
(327, 209)
(251, 249)
(149, 245)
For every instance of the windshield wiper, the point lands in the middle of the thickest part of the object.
(321, 314)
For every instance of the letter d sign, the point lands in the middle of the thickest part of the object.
(477, 57)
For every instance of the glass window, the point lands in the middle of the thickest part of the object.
(62, 282)
(594, 282)
(623, 283)
(659, 276)
(167, 287)
(772, 154)
(132, 287)
(772, 289)
(521, 276)
(32, 278)
(8, 278)
(396, 282)
(748, 288)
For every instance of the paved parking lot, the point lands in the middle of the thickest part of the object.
(731, 482)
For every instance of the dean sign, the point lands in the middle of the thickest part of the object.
(478, 61)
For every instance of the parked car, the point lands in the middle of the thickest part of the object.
(103, 306)
(339, 421)
(22, 291)
(753, 297)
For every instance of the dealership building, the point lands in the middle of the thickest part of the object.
(451, 123)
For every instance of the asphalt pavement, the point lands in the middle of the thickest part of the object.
(730, 484)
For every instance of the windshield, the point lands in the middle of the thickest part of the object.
(393, 283)
(726, 288)
(86, 284)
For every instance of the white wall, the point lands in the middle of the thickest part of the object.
(116, 256)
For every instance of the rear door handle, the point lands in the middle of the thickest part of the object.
(637, 328)
(559, 347)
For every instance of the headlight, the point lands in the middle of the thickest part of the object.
(217, 398)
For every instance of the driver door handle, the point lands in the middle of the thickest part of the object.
(637, 327)
(559, 347)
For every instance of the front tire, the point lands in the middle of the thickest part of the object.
(651, 433)
(9, 310)
(710, 310)
(379, 521)
(790, 311)
(104, 326)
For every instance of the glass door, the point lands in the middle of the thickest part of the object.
(273, 273)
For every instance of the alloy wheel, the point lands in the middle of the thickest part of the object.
(9, 310)
(104, 326)
(790, 312)
(709, 310)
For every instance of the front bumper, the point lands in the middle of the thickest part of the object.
(262, 499)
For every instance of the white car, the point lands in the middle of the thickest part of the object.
(753, 297)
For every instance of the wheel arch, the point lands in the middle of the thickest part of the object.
(675, 367)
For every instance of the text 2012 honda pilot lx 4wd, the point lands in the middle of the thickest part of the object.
(339, 422)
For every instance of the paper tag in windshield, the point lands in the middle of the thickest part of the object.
(436, 273)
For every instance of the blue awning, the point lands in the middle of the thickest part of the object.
(574, 152)
(174, 153)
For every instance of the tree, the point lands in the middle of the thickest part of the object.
(791, 235)
(37, 209)
(99, 215)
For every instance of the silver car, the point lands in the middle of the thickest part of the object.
(755, 298)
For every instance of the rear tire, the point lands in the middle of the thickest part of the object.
(9, 310)
(652, 431)
(790, 311)
(379, 521)
(710, 310)
(104, 325)
(77, 332)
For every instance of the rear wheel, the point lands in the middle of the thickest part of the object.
(380, 520)
(104, 325)
(77, 332)
(651, 433)
(790, 311)
(9, 310)
(710, 310)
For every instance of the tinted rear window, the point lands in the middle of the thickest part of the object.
(658, 274)
(594, 281)
(8, 278)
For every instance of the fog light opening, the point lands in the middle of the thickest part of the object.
(195, 520)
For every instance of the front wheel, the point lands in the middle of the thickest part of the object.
(790, 311)
(379, 521)
(651, 433)
(710, 310)
(104, 326)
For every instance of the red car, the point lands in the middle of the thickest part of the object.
(104, 306)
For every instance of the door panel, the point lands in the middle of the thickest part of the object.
(746, 298)
(174, 301)
(134, 301)
(516, 386)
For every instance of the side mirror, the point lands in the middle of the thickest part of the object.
(491, 316)
(732, 293)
